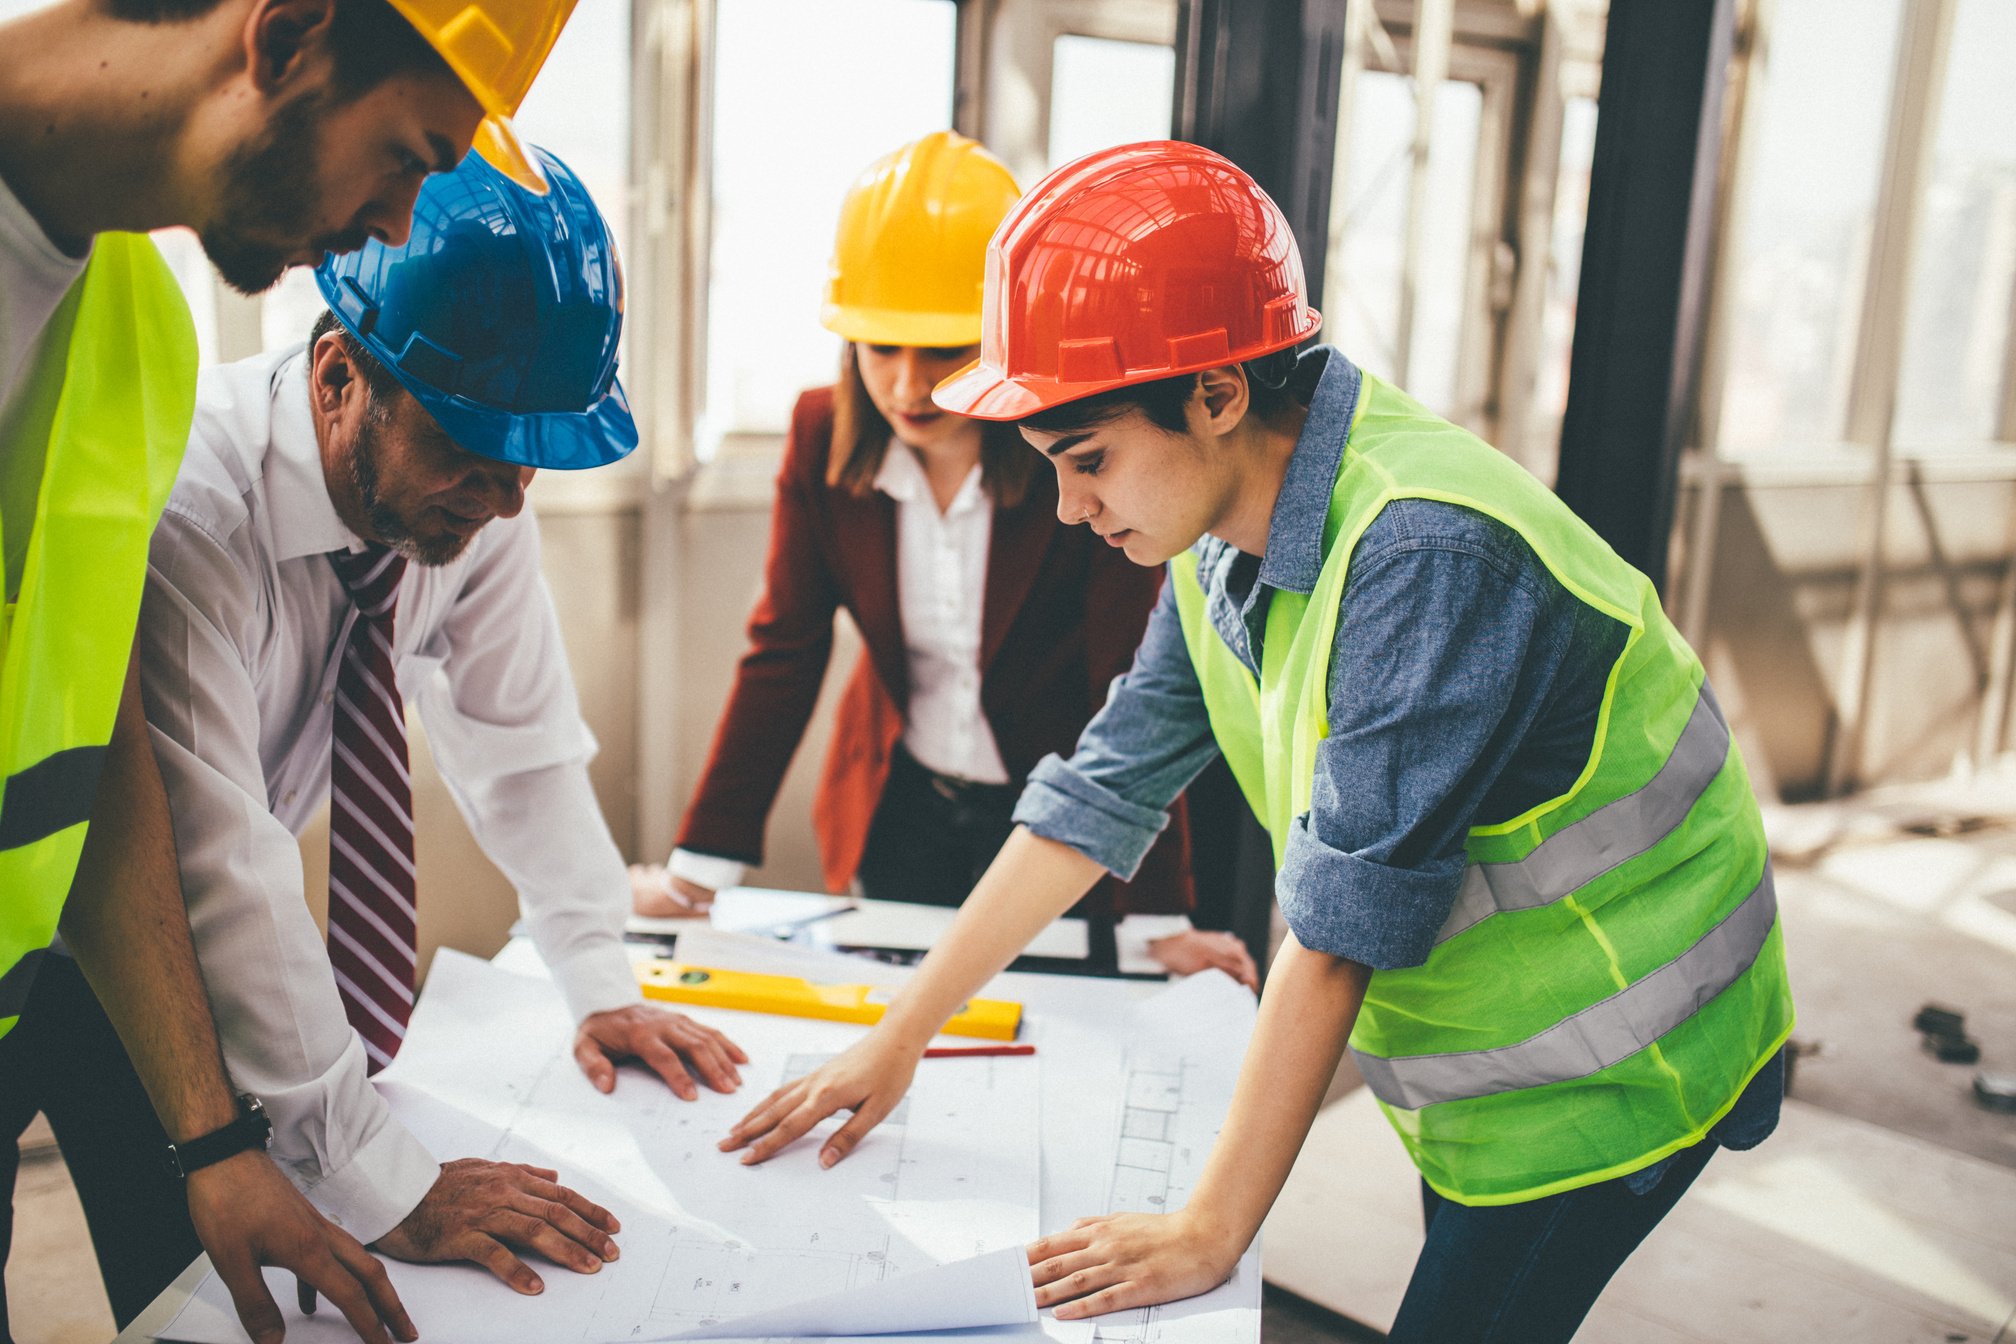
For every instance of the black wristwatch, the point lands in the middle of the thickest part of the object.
(250, 1130)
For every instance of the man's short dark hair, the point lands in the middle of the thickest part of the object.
(369, 41)
(1270, 388)
(378, 380)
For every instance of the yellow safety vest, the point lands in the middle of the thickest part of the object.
(1613, 973)
(109, 401)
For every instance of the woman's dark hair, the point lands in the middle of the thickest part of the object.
(369, 41)
(861, 437)
(1271, 387)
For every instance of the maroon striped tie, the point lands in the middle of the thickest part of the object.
(371, 912)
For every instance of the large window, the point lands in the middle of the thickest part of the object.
(807, 94)
(1105, 91)
(1813, 172)
(1963, 282)
(1563, 281)
(1368, 270)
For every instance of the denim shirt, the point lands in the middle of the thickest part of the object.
(1464, 688)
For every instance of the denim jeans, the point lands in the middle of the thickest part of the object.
(1528, 1273)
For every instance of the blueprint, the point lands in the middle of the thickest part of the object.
(1178, 1063)
(486, 1072)
(1130, 1102)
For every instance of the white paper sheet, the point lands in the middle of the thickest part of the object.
(986, 1290)
(920, 927)
(757, 910)
(1183, 1051)
(485, 1072)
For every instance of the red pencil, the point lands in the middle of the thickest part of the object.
(976, 1051)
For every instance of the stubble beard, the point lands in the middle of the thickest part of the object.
(386, 522)
(270, 193)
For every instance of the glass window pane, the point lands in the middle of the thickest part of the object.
(1445, 246)
(579, 109)
(1956, 339)
(1367, 258)
(1107, 92)
(1564, 270)
(883, 70)
(1812, 173)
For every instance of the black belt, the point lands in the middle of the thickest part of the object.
(954, 788)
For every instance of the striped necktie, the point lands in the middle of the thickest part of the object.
(371, 911)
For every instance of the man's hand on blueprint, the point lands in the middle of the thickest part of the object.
(668, 1042)
(478, 1211)
(869, 1079)
(1122, 1260)
(247, 1215)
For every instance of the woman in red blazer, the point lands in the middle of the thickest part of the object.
(991, 630)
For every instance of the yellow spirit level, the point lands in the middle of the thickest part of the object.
(677, 982)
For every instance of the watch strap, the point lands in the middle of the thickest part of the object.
(251, 1129)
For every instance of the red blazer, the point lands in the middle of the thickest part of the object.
(1061, 617)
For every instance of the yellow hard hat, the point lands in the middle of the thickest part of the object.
(495, 47)
(910, 256)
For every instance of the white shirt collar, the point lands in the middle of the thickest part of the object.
(305, 521)
(902, 478)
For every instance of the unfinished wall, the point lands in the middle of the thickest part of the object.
(1787, 562)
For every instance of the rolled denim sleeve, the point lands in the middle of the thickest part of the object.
(1111, 799)
(1449, 640)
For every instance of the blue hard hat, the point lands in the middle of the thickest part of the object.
(500, 315)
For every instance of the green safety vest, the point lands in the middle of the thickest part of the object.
(109, 401)
(1613, 973)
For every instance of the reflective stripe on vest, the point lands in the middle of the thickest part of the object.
(1599, 1036)
(1616, 833)
(107, 402)
(1612, 973)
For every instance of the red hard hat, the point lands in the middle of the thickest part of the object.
(1131, 264)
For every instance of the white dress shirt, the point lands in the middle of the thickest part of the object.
(941, 586)
(242, 627)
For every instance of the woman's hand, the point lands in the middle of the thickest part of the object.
(1196, 950)
(656, 894)
(1122, 1260)
(868, 1080)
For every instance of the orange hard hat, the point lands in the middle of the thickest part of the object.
(1131, 264)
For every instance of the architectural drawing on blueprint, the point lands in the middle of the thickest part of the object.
(486, 1071)
(1170, 1113)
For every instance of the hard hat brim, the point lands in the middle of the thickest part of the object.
(892, 326)
(497, 141)
(981, 391)
(545, 440)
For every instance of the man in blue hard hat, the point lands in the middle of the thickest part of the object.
(347, 535)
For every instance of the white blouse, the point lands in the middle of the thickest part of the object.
(941, 585)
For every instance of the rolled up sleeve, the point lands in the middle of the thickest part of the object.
(1111, 799)
(1348, 906)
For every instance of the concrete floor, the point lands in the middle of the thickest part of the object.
(53, 1292)
(1884, 1210)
